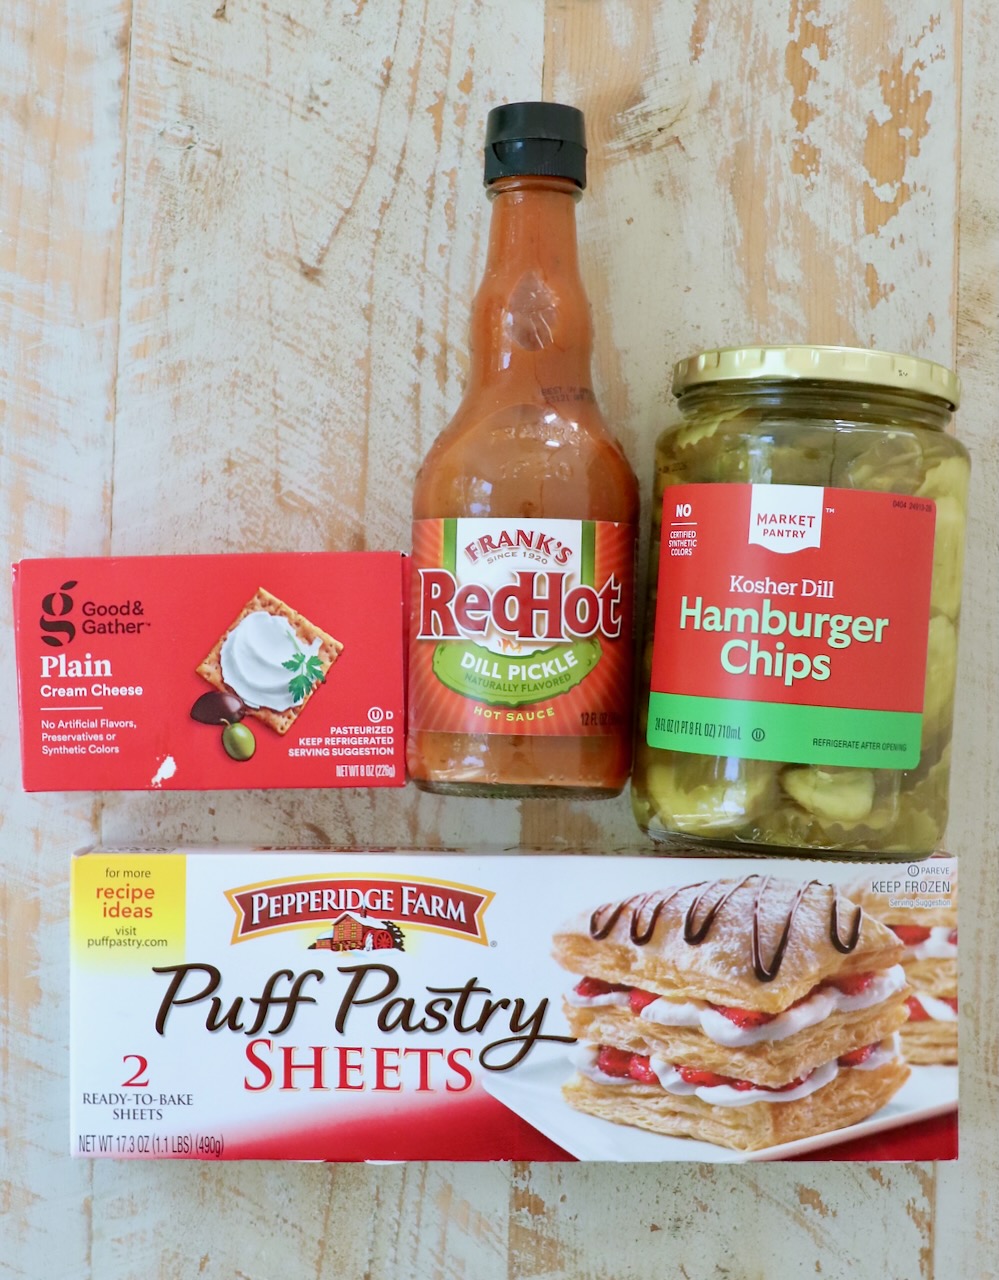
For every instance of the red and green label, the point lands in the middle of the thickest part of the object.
(791, 624)
(521, 626)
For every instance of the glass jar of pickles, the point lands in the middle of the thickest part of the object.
(801, 637)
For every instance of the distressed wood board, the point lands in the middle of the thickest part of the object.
(237, 245)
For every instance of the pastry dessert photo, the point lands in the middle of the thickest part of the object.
(744, 1012)
(929, 935)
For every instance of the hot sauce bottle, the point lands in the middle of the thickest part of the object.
(525, 512)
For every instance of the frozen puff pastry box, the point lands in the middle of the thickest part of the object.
(745, 1012)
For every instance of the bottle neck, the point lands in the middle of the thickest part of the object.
(530, 326)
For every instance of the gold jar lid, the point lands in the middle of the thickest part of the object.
(836, 365)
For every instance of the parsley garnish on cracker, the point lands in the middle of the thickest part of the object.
(308, 673)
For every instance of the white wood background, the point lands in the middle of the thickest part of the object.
(237, 243)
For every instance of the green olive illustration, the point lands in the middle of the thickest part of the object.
(239, 741)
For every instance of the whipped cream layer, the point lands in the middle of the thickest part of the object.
(821, 1004)
(725, 1095)
(936, 947)
(252, 657)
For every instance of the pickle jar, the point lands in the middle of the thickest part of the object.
(805, 589)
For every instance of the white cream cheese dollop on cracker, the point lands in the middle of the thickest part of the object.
(252, 657)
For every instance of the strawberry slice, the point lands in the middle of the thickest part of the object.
(640, 1069)
(640, 999)
(952, 937)
(856, 1056)
(911, 934)
(614, 1062)
(952, 1001)
(916, 1011)
(853, 983)
(783, 1088)
(691, 1075)
(745, 1018)
(590, 987)
(709, 1080)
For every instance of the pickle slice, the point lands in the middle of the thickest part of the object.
(707, 795)
(948, 557)
(841, 795)
(893, 464)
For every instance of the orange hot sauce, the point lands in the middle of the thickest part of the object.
(525, 512)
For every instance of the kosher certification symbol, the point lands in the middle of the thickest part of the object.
(758, 735)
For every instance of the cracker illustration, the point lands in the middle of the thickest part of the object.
(306, 631)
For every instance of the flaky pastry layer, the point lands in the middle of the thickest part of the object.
(937, 977)
(852, 1096)
(928, 1043)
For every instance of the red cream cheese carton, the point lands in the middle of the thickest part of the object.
(411, 1006)
(211, 672)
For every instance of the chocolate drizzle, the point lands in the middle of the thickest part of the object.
(694, 937)
(764, 972)
(641, 937)
(844, 948)
(640, 931)
(600, 929)
(603, 920)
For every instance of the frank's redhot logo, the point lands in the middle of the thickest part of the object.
(536, 607)
(363, 913)
(521, 626)
(544, 546)
(55, 625)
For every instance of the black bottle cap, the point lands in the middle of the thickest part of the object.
(547, 139)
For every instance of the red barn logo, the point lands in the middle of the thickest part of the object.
(352, 933)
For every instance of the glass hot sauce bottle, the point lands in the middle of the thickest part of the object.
(525, 512)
